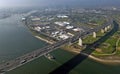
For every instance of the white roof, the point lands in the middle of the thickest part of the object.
(37, 28)
(62, 16)
(69, 27)
(64, 36)
(76, 29)
(47, 27)
(35, 19)
(62, 23)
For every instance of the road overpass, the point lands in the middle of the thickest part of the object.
(40, 52)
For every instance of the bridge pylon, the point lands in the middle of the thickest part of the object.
(109, 27)
(94, 35)
(80, 42)
(106, 29)
(102, 31)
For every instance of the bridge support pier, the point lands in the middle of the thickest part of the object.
(80, 42)
(109, 27)
(102, 30)
(106, 29)
(94, 35)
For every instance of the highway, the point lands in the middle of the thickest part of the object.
(40, 52)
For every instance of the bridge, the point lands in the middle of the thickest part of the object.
(40, 52)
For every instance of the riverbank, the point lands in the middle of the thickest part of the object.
(50, 42)
(104, 60)
(101, 59)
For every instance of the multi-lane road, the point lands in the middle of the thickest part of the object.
(40, 52)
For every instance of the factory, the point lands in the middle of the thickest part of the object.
(62, 23)
(57, 29)
(62, 16)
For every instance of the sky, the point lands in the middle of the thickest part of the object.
(81, 3)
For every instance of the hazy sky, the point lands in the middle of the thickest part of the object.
(14, 3)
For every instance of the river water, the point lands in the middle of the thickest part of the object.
(16, 40)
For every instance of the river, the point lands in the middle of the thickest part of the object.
(16, 40)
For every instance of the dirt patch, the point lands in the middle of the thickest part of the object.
(98, 50)
(118, 48)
